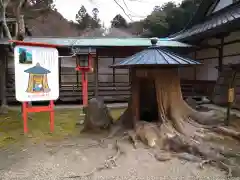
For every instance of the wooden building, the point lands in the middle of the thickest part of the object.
(112, 84)
(215, 30)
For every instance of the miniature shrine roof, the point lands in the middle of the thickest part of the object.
(37, 70)
(155, 55)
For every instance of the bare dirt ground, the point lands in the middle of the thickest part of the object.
(57, 160)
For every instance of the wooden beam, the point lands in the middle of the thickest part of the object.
(113, 71)
(60, 71)
(195, 68)
(96, 75)
(135, 97)
(77, 74)
(220, 54)
(3, 79)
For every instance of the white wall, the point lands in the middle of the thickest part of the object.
(209, 58)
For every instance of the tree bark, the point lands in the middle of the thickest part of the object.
(20, 20)
(3, 6)
(180, 127)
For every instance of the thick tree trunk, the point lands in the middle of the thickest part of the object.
(180, 128)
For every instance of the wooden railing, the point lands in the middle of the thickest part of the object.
(119, 91)
(197, 87)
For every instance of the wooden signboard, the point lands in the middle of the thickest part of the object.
(36, 78)
(36, 73)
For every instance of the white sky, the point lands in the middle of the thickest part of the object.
(108, 8)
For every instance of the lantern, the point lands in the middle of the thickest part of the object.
(84, 62)
(84, 58)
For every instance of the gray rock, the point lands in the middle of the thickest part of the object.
(97, 115)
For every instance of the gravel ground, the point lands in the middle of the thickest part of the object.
(54, 161)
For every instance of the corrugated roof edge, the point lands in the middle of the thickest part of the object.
(98, 42)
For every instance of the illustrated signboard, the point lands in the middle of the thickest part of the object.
(36, 73)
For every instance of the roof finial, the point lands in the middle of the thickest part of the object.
(154, 41)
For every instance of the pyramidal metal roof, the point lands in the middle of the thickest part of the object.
(155, 56)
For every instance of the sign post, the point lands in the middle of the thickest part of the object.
(36, 78)
(231, 97)
(84, 58)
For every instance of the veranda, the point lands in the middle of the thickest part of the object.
(111, 84)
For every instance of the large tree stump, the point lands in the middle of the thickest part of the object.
(97, 115)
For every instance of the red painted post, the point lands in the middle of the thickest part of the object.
(25, 118)
(84, 89)
(51, 116)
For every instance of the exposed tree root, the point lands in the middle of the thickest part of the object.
(181, 129)
(227, 131)
(108, 164)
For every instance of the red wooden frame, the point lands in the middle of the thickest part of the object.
(27, 109)
(34, 44)
(25, 105)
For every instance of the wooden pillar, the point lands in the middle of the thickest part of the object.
(6, 67)
(195, 68)
(113, 72)
(3, 78)
(77, 75)
(96, 75)
(220, 55)
(60, 72)
(135, 96)
(231, 96)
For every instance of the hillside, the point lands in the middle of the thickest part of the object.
(53, 24)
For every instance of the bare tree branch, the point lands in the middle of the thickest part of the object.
(19, 18)
(129, 17)
(136, 15)
(3, 5)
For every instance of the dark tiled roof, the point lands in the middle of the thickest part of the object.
(218, 19)
(154, 55)
(201, 12)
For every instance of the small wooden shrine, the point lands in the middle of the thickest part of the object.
(38, 81)
(155, 83)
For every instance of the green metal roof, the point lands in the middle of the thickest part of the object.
(103, 42)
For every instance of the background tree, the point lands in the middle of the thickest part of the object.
(85, 21)
(156, 24)
(169, 18)
(95, 19)
(119, 22)
(83, 18)
(19, 9)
